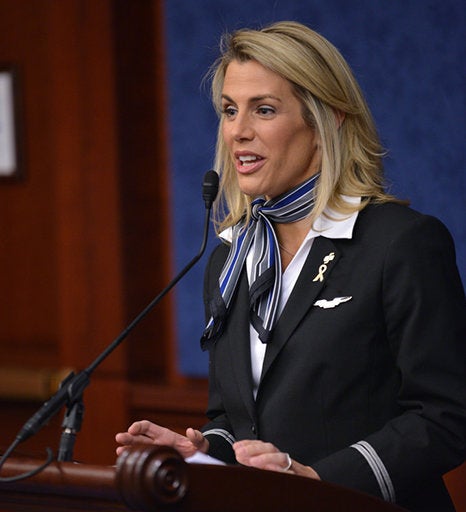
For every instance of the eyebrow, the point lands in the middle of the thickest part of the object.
(254, 99)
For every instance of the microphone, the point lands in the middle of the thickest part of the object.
(210, 188)
(72, 387)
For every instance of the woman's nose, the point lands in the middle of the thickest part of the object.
(242, 128)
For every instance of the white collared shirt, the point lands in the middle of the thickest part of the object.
(330, 224)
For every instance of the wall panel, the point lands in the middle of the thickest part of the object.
(60, 254)
(85, 236)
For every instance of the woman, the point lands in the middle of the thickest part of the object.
(335, 313)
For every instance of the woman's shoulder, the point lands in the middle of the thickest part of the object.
(393, 216)
(391, 220)
(389, 212)
(218, 256)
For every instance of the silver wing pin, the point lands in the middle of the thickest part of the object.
(323, 303)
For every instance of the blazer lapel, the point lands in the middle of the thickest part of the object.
(322, 258)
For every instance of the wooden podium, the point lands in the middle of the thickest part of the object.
(158, 479)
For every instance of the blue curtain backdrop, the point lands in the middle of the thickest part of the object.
(409, 57)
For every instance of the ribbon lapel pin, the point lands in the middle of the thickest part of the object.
(323, 267)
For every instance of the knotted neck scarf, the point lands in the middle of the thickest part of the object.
(266, 273)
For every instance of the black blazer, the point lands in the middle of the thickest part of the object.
(383, 371)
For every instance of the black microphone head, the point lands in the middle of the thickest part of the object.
(210, 188)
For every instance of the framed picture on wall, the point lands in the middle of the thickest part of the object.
(10, 168)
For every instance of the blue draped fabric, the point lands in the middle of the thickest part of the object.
(408, 56)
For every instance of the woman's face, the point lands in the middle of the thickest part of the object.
(273, 149)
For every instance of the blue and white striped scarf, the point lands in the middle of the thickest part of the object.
(266, 273)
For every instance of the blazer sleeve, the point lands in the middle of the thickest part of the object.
(218, 430)
(425, 317)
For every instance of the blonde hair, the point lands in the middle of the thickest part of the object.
(322, 80)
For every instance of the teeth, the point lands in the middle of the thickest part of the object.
(248, 159)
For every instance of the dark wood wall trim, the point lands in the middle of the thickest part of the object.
(144, 184)
(85, 239)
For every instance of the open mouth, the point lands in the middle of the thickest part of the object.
(247, 160)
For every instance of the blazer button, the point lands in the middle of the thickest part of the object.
(253, 429)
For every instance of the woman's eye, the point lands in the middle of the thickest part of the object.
(265, 110)
(229, 111)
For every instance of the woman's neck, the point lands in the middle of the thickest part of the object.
(290, 238)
